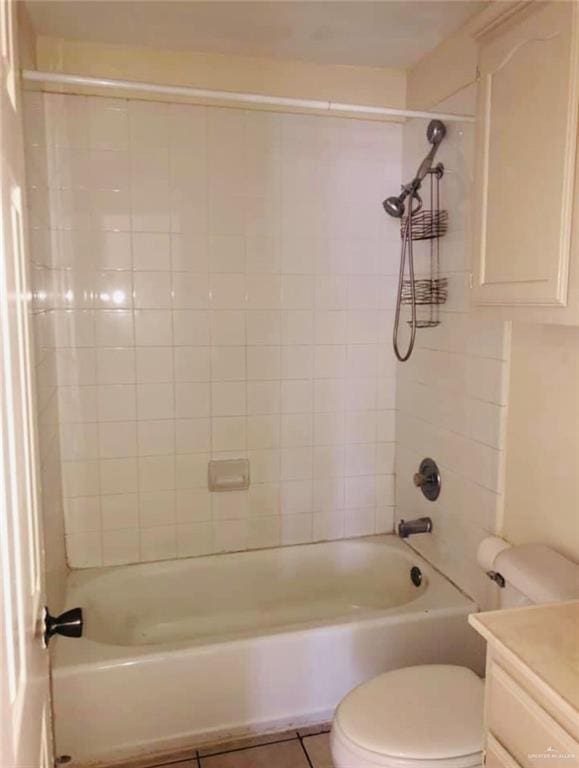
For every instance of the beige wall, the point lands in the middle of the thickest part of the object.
(542, 467)
(26, 38)
(293, 79)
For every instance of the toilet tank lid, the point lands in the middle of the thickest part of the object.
(426, 712)
(540, 573)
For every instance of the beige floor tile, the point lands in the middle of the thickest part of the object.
(186, 764)
(287, 754)
(318, 749)
(179, 759)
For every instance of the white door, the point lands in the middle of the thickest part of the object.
(25, 728)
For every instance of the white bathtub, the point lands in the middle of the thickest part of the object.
(183, 652)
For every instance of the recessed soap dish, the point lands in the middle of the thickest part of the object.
(228, 475)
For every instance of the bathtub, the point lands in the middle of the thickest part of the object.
(179, 653)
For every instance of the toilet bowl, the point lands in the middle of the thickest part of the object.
(428, 716)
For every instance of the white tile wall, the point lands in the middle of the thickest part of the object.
(223, 286)
(452, 393)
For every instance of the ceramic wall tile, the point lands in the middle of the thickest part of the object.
(451, 394)
(212, 302)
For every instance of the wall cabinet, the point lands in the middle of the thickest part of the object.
(525, 242)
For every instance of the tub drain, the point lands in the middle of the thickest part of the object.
(416, 575)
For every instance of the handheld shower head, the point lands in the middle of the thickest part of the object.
(394, 206)
(435, 132)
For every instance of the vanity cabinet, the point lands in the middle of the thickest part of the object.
(526, 185)
(531, 686)
(516, 720)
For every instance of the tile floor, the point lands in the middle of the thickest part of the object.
(302, 748)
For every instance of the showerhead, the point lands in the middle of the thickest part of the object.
(394, 206)
(435, 132)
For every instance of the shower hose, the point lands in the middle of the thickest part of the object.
(406, 251)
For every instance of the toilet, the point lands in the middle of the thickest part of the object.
(428, 716)
(431, 715)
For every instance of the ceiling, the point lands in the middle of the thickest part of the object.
(390, 33)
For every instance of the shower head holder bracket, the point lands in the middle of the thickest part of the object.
(437, 170)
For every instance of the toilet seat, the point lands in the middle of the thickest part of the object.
(428, 716)
(346, 754)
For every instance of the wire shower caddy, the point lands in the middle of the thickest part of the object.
(428, 224)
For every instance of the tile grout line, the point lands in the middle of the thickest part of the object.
(305, 751)
(170, 154)
(207, 239)
(252, 746)
(175, 761)
(138, 494)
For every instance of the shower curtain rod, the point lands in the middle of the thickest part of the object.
(242, 98)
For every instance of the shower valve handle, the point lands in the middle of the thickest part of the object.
(420, 479)
(428, 479)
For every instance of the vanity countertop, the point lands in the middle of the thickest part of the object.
(544, 638)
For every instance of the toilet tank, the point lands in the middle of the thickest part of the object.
(536, 574)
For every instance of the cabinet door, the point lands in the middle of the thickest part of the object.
(526, 140)
(496, 756)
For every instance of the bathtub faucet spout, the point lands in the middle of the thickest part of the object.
(408, 528)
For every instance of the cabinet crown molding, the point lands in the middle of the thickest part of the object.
(496, 15)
